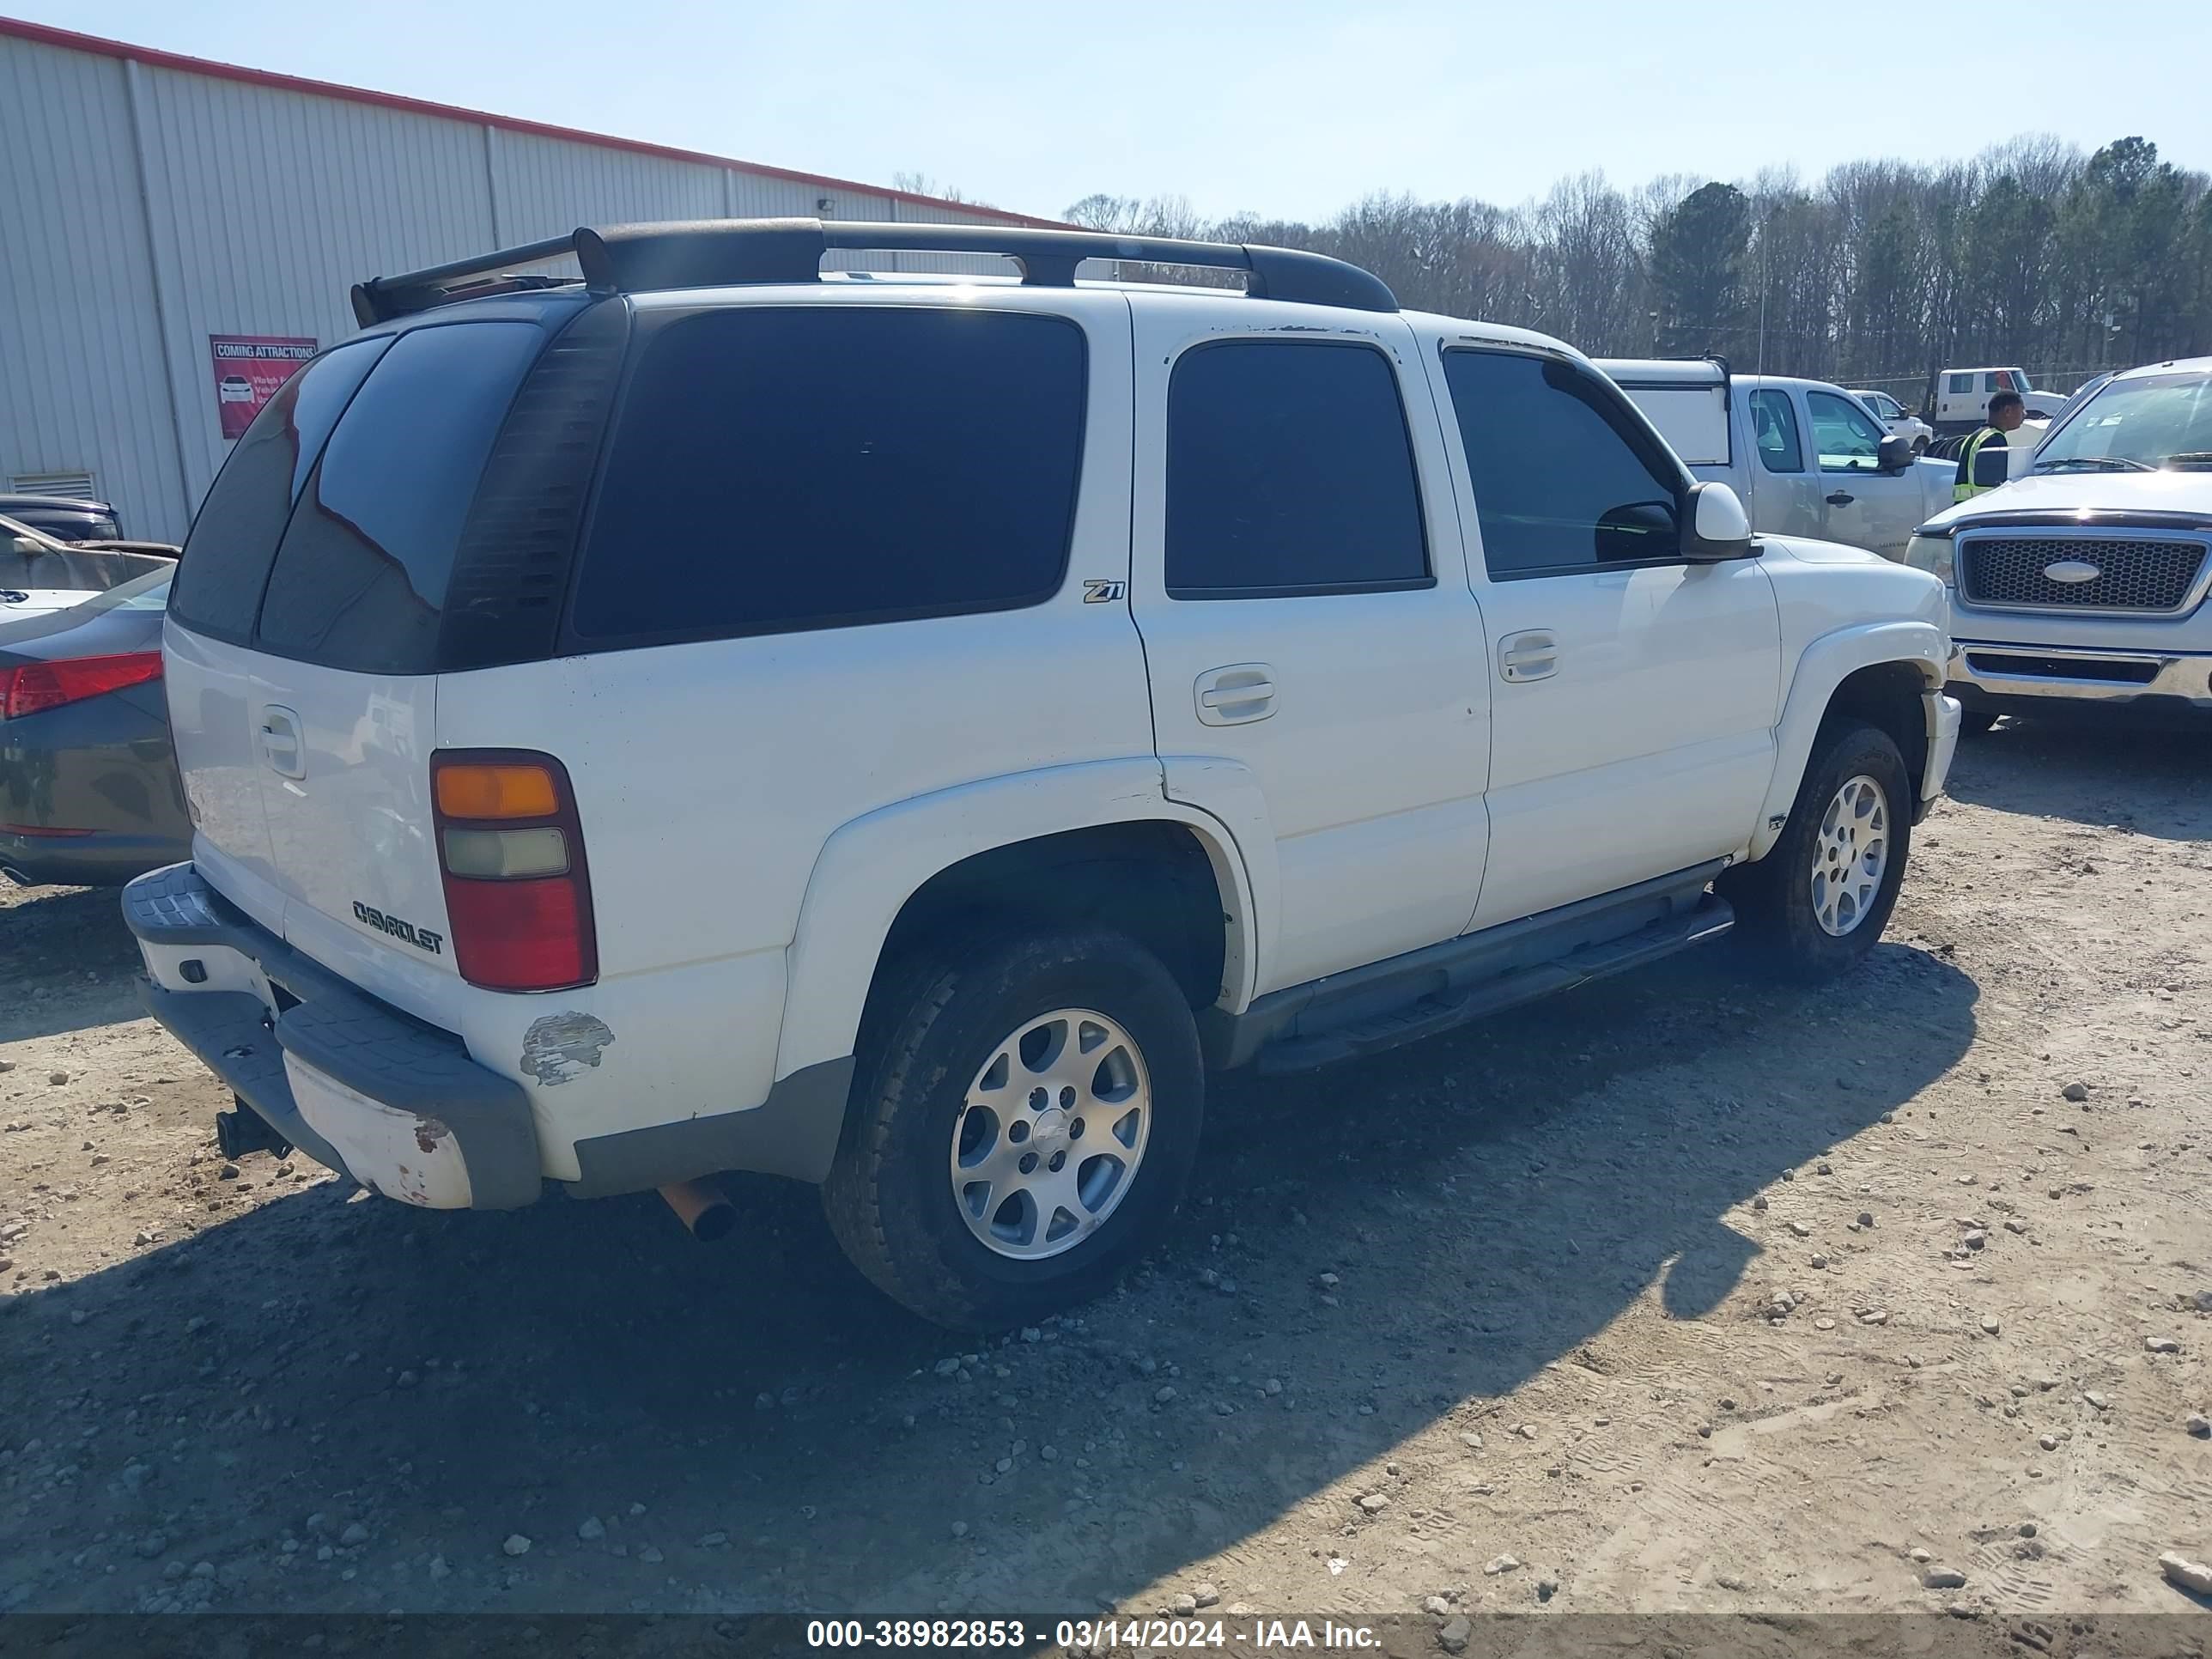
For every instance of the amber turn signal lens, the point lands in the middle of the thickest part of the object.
(497, 792)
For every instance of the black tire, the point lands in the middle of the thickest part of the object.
(1975, 722)
(1773, 898)
(932, 1027)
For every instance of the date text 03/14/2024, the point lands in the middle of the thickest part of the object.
(1261, 1635)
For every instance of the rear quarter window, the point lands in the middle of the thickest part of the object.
(360, 579)
(778, 468)
(234, 539)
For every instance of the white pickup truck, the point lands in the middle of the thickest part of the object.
(903, 734)
(2085, 584)
(1805, 457)
(1896, 419)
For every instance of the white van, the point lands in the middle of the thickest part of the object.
(1962, 397)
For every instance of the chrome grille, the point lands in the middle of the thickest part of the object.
(2133, 571)
(2136, 573)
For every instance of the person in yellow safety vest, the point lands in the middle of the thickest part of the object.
(1984, 462)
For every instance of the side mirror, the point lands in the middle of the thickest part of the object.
(1895, 454)
(25, 547)
(1720, 529)
(1638, 531)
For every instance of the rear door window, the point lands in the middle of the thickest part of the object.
(778, 468)
(234, 540)
(1289, 470)
(360, 579)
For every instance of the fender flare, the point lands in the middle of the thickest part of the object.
(871, 867)
(1825, 665)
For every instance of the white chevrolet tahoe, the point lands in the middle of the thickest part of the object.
(2081, 587)
(901, 733)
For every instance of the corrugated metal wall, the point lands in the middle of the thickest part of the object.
(147, 208)
(82, 383)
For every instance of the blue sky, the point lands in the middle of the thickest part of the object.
(1284, 107)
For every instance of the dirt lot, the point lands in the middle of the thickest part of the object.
(1580, 1310)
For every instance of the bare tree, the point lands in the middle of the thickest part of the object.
(921, 184)
(2029, 253)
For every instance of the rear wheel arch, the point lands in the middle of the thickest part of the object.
(1155, 881)
(882, 877)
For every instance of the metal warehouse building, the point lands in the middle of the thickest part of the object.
(179, 234)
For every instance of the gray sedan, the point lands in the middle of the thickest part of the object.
(89, 792)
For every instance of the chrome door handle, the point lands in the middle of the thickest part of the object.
(1235, 695)
(1531, 654)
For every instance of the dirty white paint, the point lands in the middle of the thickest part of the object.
(402, 1155)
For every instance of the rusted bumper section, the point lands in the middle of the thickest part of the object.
(349, 1080)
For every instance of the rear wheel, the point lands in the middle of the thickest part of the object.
(1819, 900)
(1024, 1117)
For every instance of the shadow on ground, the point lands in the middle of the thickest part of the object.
(1491, 1201)
(2156, 782)
(66, 961)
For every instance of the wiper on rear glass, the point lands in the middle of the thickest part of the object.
(2096, 463)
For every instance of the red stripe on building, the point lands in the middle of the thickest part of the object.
(70, 40)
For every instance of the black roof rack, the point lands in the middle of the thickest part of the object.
(728, 253)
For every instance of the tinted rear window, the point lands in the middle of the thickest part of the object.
(1289, 470)
(777, 469)
(234, 537)
(360, 579)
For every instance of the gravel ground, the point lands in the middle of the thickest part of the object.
(1680, 1294)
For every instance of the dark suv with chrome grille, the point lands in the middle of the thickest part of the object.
(2083, 585)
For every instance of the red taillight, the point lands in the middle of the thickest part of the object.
(529, 929)
(36, 687)
(521, 935)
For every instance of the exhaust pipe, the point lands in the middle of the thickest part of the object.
(707, 1215)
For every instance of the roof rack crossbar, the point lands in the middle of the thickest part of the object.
(733, 253)
(382, 298)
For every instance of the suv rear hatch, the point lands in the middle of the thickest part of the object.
(403, 507)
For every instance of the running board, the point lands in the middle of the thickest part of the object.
(1431, 1015)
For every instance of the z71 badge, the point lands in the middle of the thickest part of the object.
(421, 938)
